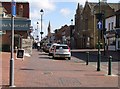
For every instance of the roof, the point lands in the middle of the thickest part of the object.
(115, 6)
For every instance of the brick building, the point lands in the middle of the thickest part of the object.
(62, 35)
(22, 24)
(86, 32)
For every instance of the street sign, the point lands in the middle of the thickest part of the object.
(13, 7)
(99, 25)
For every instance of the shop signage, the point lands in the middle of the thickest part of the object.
(13, 8)
(20, 53)
(19, 24)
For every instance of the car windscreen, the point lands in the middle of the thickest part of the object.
(61, 47)
(48, 44)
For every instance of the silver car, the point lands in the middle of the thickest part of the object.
(62, 51)
(51, 49)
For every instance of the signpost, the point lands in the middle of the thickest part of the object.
(13, 14)
(99, 25)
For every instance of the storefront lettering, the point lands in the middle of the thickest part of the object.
(18, 24)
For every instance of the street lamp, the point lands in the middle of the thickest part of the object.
(99, 28)
(71, 33)
(37, 32)
(71, 21)
(41, 12)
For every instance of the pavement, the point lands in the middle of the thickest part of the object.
(41, 71)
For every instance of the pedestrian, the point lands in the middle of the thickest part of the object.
(38, 46)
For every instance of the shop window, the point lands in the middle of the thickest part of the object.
(112, 41)
(112, 26)
(109, 26)
(119, 44)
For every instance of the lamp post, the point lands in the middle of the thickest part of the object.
(41, 12)
(13, 13)
(71, 21)
(99, 53)
(71, 33)
(37, 32)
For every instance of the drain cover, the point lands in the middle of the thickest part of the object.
(26, 69)
(47, 72)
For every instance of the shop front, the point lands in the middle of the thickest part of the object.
(113, 39)
(21, 30)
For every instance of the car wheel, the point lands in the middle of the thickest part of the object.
(69, 58)
(48, 54)
(53, 57)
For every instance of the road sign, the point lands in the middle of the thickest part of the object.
(13, 8)
(99, 25)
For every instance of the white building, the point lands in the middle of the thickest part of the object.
(112, 37)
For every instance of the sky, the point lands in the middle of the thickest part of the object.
(57, 12)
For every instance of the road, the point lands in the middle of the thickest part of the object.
(42, 71)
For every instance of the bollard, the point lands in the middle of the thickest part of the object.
(109, 65)
(87, 61)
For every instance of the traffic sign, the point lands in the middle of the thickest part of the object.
(99, 25)
(13, 8)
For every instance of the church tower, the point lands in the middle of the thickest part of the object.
(49, 32)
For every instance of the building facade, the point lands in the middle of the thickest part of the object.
(86, 31)
(22, 24)
(113, 32)
(62, 35)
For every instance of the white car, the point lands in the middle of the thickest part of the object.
(62, 51)
(51, 49)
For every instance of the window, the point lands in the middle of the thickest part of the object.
(109, 26)
(112, 26)
(112, 41)
(63, 47)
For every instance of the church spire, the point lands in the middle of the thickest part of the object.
(78, 6)
(49, 32)
(49, 27)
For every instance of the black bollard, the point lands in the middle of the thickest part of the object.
(87, 61)
(109, 65)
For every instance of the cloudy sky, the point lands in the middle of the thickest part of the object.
(58, 12)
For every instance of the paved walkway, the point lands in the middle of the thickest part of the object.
(41, 71)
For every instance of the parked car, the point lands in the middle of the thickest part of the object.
(62, 51)
(51, 49)
(46, 47)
